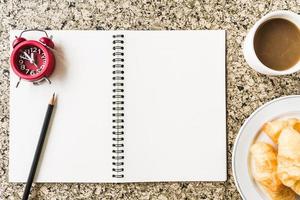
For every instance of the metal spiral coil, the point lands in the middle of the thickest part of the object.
(118, 106)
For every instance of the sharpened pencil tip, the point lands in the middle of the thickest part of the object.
(53, 99)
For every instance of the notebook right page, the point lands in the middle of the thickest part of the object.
(175, 106)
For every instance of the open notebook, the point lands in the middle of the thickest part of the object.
(167, 124)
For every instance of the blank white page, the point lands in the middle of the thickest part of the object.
(78, 146)
(175, 117)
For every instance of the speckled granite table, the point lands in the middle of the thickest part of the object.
(246, 89)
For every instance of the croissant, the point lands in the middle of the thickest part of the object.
(273, 129)
(295, 123)
(289, 158)
(264, 170)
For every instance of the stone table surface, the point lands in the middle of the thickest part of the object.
(246, 89)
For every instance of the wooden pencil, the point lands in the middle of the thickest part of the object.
(39, 147)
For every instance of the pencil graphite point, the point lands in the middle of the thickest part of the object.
(53, 99)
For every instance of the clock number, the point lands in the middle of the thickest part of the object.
(43, 57)
(21, 61)
(27, 71)
(32, 72)
(33, 50)
(22, 67)
(39, 51)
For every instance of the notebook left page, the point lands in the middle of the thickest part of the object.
(78, 143)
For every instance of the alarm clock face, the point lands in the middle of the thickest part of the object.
(30, 60)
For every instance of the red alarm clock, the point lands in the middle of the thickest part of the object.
(33, 60)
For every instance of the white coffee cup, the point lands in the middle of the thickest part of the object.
(248, 46)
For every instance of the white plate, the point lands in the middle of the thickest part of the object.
(288, 106)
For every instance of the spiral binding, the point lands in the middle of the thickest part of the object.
(118, 106)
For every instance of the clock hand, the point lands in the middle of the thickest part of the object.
(25, 58)
(32, 56)
(31, 61)
(35, 65)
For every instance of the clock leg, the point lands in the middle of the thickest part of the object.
(38, 82)
(18, 82)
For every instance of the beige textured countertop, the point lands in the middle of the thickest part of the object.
(246, 89)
